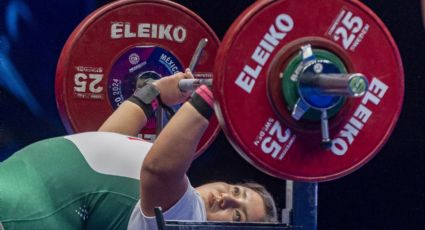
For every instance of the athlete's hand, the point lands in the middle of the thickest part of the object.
(169, 90)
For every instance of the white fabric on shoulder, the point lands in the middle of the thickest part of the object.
(112, 153)
(190, 207)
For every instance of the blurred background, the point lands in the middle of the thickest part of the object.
(386, 193)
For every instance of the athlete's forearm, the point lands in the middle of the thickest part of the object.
(175, 147)
(128, 119)
(167, 162)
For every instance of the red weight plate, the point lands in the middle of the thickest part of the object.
(102, 58)
(255, 50)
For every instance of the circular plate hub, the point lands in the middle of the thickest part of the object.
(103, 56)
(312, 95)
(289, 85)
(257, 48)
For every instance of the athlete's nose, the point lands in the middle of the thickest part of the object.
(227, 201)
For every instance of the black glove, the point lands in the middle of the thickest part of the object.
(146, 97)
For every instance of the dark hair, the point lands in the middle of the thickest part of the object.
(269, 203)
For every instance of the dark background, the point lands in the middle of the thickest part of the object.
(386, 193)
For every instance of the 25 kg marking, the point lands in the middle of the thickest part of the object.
(348, 29)
(81, 80)
(272, 139)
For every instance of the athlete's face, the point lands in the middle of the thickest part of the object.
(226, 202)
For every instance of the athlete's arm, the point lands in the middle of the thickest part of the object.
(163, 173)
(129, 118)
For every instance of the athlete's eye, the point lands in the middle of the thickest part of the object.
(237, 216)
(236, 191)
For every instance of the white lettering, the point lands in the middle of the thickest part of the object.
(179, 34)
(269, 145)
(253, 73)
(272, 40)
(276, 131)
(378, 87)
(349, 132)
(245, 82)
(276, 36)
(154, 33)
(171, 65)
(143, 31)
(356, 123)
(164, 32)
(127, 31)
(285, 23)
(339, 147)
(146, 30)
(370, 97)
(266, 45)
(116, 30)
(361, 115)
(80, 82)
(260, 56)
(275, 140)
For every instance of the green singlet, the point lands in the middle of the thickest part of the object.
(88, 180)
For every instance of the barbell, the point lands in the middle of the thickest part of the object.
(305, 90)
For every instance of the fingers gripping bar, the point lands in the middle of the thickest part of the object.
(186, 84)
